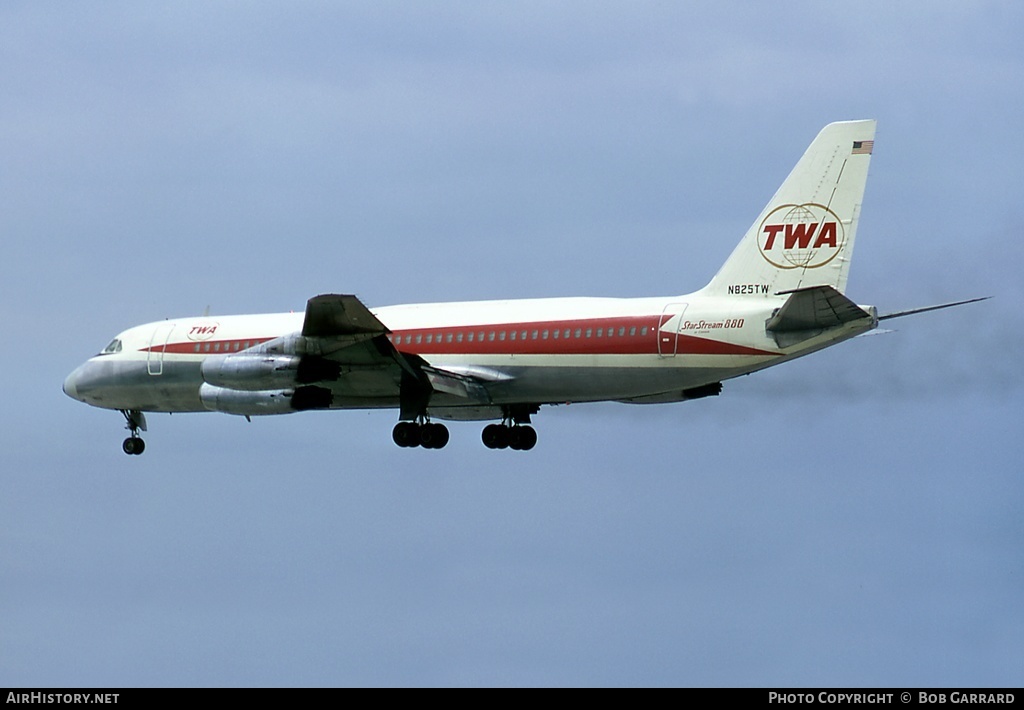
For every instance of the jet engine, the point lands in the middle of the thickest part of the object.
(271, 401)
(254, 372)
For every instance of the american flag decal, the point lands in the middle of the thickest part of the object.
(863, 147)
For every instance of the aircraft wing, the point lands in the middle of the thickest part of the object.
(332, 315)
(362, 363)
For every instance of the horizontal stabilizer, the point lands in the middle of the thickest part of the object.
(808, 312)
(900, 314)
(814, 308)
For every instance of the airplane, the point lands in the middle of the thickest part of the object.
(780, 295)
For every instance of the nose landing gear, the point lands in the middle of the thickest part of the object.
(136, 420)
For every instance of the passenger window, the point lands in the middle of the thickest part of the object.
(534, 334)
(480, 336)
(512, 335)
(600, 332)
(632, 330)
(458, 337)
(590, 331)
(556, 334)
(544, 335)
(501, 335)
(643, 331)
(419, 338)
(448, 338)
(578, 332)
(523, 335)
(490, 336)
(622, 330)
(197, 347)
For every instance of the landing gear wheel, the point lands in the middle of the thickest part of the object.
(406, 434)
(496, 436)
(501, 436)
(523, 438)
(133, 446)
(433, 436)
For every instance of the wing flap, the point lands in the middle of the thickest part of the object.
(458, 385)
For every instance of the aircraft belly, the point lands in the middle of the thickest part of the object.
(361, 384)
(608, 377)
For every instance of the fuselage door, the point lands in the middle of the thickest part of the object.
(158, 348)
(668, 333)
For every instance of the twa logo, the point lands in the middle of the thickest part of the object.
(202, 332)
(801, 236)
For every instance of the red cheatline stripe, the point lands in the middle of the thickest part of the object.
(206, 347)
(577, 337)
(487, 339)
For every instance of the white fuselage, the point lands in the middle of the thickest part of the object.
(539, 351)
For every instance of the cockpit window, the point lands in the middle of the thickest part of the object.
(114, 347)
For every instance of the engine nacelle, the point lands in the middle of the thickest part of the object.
(255, 372)
(249, 403)
(245, 403)
(250, 371)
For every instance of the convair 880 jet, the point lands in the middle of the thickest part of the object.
(779, 296)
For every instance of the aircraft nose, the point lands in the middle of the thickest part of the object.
(71, 384)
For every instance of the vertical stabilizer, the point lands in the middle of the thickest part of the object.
(804, 236)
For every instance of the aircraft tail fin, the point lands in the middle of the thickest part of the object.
(804, 236)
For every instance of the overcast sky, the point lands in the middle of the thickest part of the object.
(854, 518)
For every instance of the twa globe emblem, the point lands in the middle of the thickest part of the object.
(801, 236)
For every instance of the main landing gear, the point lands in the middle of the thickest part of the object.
(514, 432)
(521, 437)
(136, 420)
(427, 435)
(507, 435)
